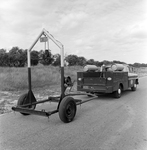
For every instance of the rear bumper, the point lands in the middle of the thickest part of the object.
(95, 88)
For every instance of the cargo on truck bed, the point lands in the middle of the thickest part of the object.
(107, 79)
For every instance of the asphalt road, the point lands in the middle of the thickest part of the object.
(104, 123)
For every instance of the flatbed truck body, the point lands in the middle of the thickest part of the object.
(106, 81)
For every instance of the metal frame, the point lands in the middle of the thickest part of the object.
(60, 45)
(31, 98)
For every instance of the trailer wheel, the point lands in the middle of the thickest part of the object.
(117, 94)
(134, 87)
(22, 101)
(67, 109)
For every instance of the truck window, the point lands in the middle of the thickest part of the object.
(126, 69)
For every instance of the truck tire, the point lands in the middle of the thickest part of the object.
(22, 100)
(134, 87)
(67, 109)
(117, 94)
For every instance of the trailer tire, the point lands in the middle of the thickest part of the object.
(22, 101)
(67, 109)
(117, 94)
(134, 87)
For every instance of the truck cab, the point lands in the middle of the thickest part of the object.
(107, 79)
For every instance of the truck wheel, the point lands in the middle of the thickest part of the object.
(22, 101)
(67, 109)
(117, 94)
(134, 87)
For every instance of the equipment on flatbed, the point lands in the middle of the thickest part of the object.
(91, 68)
(67, 104)
(109, 79)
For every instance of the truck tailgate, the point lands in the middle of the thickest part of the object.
(94, 81)
(91, 81)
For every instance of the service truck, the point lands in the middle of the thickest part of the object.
(107, 79)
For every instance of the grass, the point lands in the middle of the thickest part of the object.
(142, 71)
(16, 79)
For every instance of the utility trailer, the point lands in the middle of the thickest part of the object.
(107, 79)
(67, 104)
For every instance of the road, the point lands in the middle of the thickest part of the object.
(104, 123)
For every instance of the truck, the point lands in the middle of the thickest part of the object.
(113, 78)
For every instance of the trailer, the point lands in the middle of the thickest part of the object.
(67, 104)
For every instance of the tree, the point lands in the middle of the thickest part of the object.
(34, 58)
(57, 59)
(97, 63)
(90, 62)
(72, 60)
(3, 57)
(118, 62)
(81, 61)
(46, 57)
(17, 57)
(13, 57)
(106, 62)
(22, 58)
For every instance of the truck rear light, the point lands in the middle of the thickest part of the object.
(109, 78)
(79, 79)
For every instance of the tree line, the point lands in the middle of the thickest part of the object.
(17, 57)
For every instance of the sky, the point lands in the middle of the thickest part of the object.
(95, 29)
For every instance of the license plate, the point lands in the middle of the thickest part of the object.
(85, 87)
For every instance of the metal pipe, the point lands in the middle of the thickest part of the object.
(62, 56)
(74, 94)
(53, 39)
(42, 101)
(81, 102)
(29, 81)
(34, 103)
(62, 71)
(62, 83)
(29, 58)
(29, 62)
(60, 45)
(36, 40)
(29, 70)
(48, 44)
(52, 112)
(44, 45)
(30, 111)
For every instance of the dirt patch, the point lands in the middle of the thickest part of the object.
(10, 98)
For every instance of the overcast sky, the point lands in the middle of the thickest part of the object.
(96, 29)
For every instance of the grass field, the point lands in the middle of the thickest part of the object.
(141, 71)
(16, 79)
